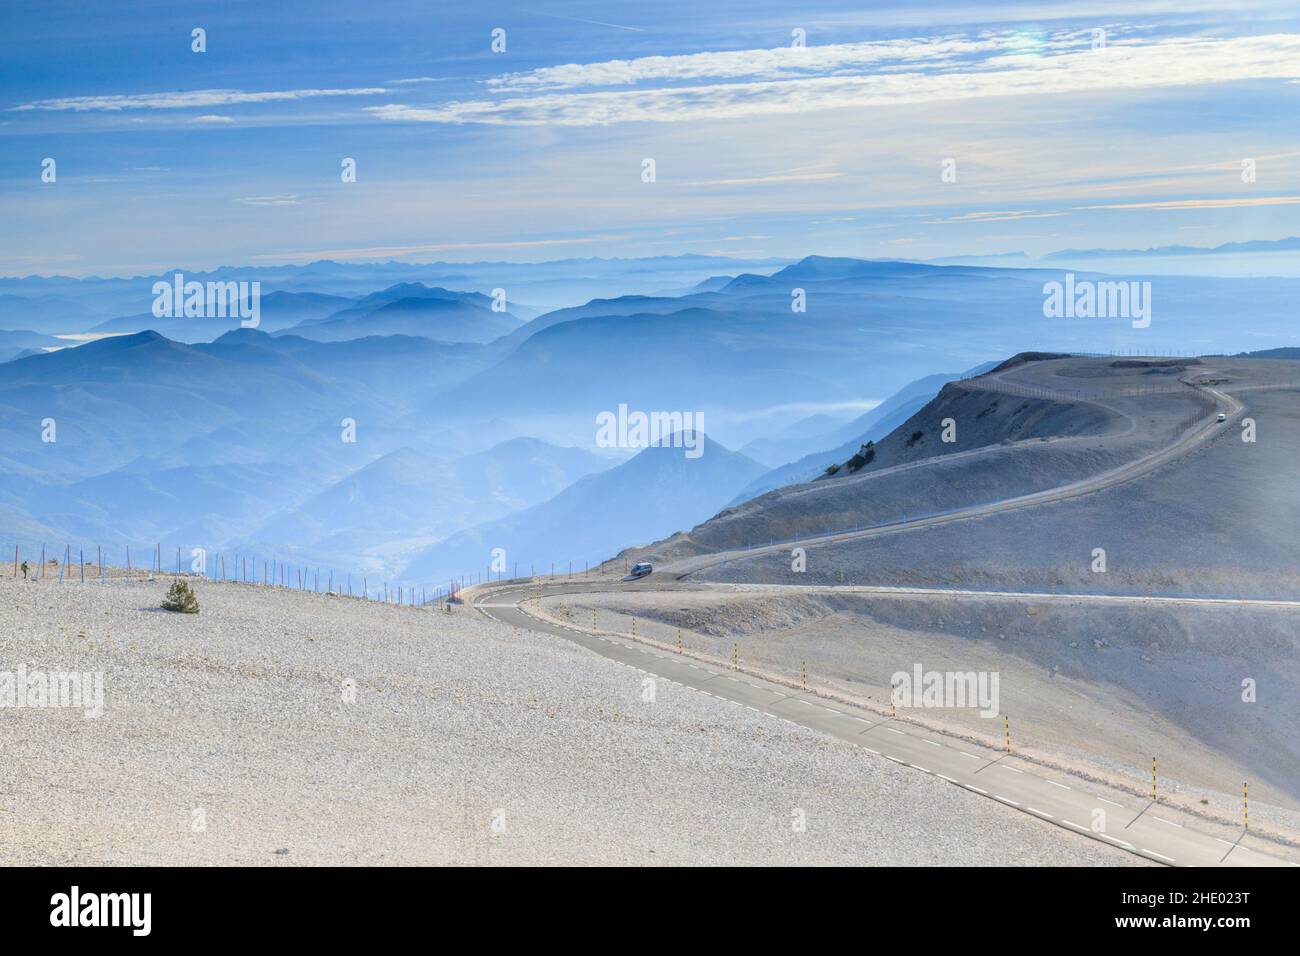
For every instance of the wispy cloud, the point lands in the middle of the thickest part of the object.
(1133, 65)
(191, 100)
(213, 119)
(1010, 216)
(1204, 203)
(270, 201)
(392, 252)
(788, 176)
(778, 63)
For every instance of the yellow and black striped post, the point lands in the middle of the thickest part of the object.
(893, 701)
(679, 640)
(634, 629)
(593, 618)
(735, 657)
(804, 668)
(1006, 723)
(1153, 778)
(1245, 804)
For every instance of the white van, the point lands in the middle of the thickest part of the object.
(641, 569)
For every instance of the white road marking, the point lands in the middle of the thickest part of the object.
(977, 789)
(918, 767)
(1005, 800)
(1111, 802)
(1012, 769)
(931, 743)
(1071, 823)
(1040, 813)
(1061, 785)
(1160, 855)
(893, 731)
(1170, 822)
(972, 756)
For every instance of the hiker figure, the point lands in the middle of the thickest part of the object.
(24, 570)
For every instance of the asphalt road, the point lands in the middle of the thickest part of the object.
(1137, 826)
(1132, 825)
(1190, 440)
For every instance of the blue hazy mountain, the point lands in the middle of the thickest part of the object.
(641, 500)
(20, 342)
(278, 310)
(240, 441)
(841, 442)
(413, 309)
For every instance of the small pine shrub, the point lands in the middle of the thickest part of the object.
(865, 456)
(180, 598)
(831, 469)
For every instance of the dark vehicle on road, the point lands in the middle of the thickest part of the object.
(641, 569)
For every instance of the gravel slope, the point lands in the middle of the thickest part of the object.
(240, 713)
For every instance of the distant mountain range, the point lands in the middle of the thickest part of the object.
(1254, 246)
(657, 492)
(474, 427)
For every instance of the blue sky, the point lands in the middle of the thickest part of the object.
(169, 158)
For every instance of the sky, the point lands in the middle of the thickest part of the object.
(896, 129)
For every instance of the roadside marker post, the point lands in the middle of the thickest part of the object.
(893, 702)
(804, 669)
(735, 657)
(634, 629)
(679, 640)
(1006, 722)
(1153, 779)
(1245, 805)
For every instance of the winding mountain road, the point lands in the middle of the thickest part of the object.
(1139, 826)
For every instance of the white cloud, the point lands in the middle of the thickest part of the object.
(1162, 63)
(781, 62)
(190, 100)
(393, 252)
(1244, 202)
(212, 118)
(270, 201)
(788, 176)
